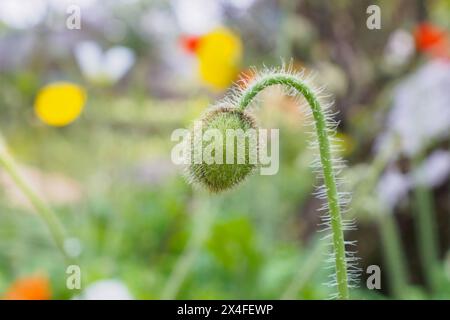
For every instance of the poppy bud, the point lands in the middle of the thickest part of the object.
(227, 149)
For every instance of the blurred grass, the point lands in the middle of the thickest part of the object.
(133, 220)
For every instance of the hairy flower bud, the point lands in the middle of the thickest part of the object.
(217, 147)
(220, 176)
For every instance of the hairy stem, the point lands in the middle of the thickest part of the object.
(44, 212)
(325, 159)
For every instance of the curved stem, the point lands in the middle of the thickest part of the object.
(325, 159)
(45, 213)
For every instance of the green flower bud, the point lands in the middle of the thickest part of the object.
(223, 174)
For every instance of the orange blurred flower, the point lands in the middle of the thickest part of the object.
(36, 287)
(432, 40)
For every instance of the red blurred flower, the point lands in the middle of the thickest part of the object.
(190, 43)
(432, 40)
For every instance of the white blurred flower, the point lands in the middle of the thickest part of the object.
(158, 23)
(421, 109)
(106, 290)
(399, 49)
(393, 187)
(62, 5)
(73, 247)
(333, 77)
(197, 16)
(22, 14)
(240, 4)
(98, 66)
(434, 170)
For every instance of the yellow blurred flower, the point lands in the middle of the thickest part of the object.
(59, 103)
(35, 287)
(219, 54)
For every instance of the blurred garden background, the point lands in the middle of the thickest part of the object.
(86, 115)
